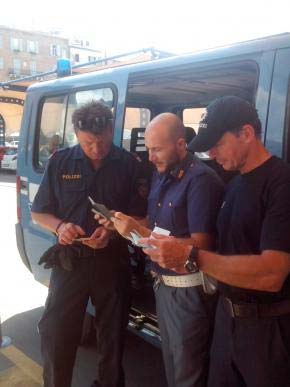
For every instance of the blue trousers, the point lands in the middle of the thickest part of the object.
(186, 319)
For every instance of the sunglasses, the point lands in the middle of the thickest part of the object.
(94, 123)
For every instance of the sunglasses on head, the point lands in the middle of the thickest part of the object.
(94, 123)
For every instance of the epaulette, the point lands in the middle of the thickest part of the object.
(136, 156)
(56, 152)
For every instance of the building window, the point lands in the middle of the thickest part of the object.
(16, 66)
(1, 63)
(16, 44)
(32, 66)
(63, 53)
(77, 57)
(55, 50)
(32, 46)
(92, 58)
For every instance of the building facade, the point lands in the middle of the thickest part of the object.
(24, 53)
(82, 52)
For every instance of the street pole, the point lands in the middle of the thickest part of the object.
(4, 340)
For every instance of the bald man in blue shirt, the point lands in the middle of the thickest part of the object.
(184, 200)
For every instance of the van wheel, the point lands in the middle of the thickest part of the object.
(88, 336)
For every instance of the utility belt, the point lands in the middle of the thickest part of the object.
(185, 281)
(256, 311)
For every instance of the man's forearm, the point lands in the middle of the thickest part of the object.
(258, 272)
(47, 221)
(201, 240)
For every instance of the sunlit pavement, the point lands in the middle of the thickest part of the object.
(21, 306)
(19, 294)
(18, 290)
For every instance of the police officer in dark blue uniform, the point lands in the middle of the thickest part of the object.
(251, 344)
(109, 175)
(184, 199)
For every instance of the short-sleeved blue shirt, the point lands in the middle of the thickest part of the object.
(185, 200)
(70, 178)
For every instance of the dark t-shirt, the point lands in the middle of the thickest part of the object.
(255, 216)
(70, 178)
(185, 200)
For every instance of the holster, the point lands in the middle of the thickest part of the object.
(64, 256)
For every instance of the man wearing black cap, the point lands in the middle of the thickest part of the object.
(251, 344)
(100, 271)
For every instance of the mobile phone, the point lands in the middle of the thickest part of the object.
(100, 209)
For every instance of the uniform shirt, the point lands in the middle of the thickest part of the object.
(255, 216)
(70, 178)
(184, 201)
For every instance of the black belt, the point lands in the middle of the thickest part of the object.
(251, 310)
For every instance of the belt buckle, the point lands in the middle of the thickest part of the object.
(243, 310)
(247, 311)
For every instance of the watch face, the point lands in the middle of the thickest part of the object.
(191, 266)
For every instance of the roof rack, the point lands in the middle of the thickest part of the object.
(16, 86)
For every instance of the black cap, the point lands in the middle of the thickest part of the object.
(223, 115)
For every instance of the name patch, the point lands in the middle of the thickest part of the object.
(72, 177)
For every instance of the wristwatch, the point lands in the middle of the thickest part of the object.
(191, 262)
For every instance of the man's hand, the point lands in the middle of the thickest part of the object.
(167, 251)
(99, 238)
(125, 224)
(108, 224)
(67, 232)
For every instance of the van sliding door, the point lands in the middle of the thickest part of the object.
(276, 134)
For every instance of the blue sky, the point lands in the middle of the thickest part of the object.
(177, 26)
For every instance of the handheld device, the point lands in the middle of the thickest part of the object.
(100, 209)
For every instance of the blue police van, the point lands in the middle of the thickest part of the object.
(257, 70)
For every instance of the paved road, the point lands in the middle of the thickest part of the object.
(21, 305)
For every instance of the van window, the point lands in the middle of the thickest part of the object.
(187, 89)
(192, 116)
(134, 118)
(55, 129)
(51, 127)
